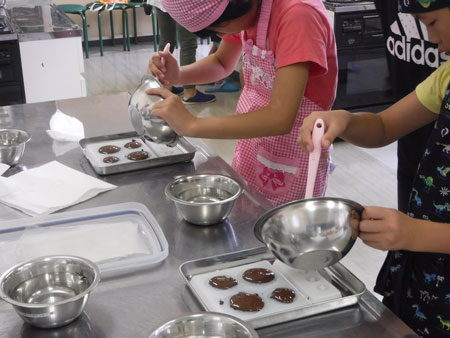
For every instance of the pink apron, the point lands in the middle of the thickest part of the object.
(274, 165)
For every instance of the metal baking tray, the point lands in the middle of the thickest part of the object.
(348, 285)
(160, 154)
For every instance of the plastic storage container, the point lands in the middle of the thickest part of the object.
(120, 238)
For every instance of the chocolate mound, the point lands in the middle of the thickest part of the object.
(258, 275)
(109, 149)
(283, 295)
(138, 155)
(249, 302)
(132, 145)
(111, 159)
(222, 282)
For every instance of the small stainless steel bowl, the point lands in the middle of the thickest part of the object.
(144, 122)
(12, 145)
(204, 199)
(50, 291)
(312, 233)
(205, 324)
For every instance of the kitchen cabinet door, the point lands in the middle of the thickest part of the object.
(52, 69)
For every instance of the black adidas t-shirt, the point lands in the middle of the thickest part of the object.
(411, 58)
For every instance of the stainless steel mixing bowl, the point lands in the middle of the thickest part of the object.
(203, 199)
(50, 291)
(312, 233)
(12, 145)
(144, 122)
(205, 324)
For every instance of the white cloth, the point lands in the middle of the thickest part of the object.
(65, 128)
(48, 188)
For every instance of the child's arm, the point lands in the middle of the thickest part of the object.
(213, 67)
(367, 129)
(389, 229)
(209, 69)
(277, 118)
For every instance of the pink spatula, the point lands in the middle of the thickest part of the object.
(314, 157)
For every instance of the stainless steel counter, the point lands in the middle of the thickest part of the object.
(134, 305)
(39, 20)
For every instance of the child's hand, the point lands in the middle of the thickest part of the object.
(336, 121)
(173, 111)
(164, 67)
(386, 229)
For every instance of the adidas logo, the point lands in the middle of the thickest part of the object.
(409, 42)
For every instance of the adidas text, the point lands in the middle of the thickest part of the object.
(415, 51)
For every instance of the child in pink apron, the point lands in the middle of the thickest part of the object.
(290, 69)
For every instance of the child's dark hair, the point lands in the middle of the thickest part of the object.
(234, 10)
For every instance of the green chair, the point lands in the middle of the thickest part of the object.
(133, 5)
(155, 28)
(99, 8)
(78, 10)
(208, 41)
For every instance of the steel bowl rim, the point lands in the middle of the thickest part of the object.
(170, 138)
(242, 323)
(170, 196)
(262, 220)
(26, 134)
(88, 262)
(144, 78)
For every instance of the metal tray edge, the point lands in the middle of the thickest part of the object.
(337, 271)
(151, 163)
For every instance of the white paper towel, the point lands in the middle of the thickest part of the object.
(65, 128)
(48, 188)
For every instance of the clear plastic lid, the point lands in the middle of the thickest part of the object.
(120, 238)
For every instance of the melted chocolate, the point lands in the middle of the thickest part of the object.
(283, 295)
(138, 155)
(249, 302)
(222, 282)
(109, 149)
(111, 159)
(132, 145)
(258, 275)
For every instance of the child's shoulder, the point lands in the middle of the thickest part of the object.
(284, 9)
(305, 5)
(432, 90)
(440, 78)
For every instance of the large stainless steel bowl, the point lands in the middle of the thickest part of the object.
(203, 199)
(311, 233)
(205, 324)
(12, 145)
(51, 291)
(144, 122)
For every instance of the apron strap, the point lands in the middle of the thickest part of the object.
(263, 23)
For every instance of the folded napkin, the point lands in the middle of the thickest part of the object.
(3, 168)
(65, 128)
(50, 187)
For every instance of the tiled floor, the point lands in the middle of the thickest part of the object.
(367, 176)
